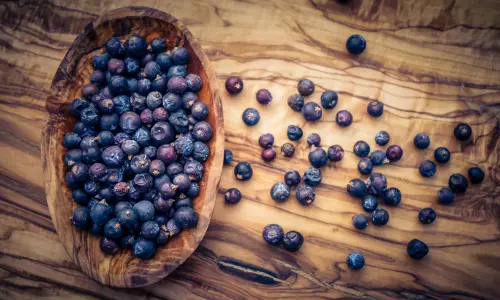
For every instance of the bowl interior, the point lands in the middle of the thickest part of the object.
(123, 269)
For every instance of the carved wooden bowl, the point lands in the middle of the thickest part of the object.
(123, 269)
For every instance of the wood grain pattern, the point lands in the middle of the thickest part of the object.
(432, 62)
(123, 269)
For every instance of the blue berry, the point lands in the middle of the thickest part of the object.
(243, 171)
(185, 217)
(312, 176)
(294, 133)
(382, 138)
(318, 157)
(421, 141)
(150, 230)
(462, 132)
(476, 175)
(369, 203)
(365, 166)
(81, 217)
(380, 217)
(280, 192)
(378, 157)
(392, 196)
(251, 116)
(442, 155)
(144, 248)
(113, 229)
(417, 249)
(329, 99)
(361, 148)
(145, 210)
(458, 183)
(427, 168)
(426, 215)
(356, 44)
(356, 188)
(375, 108)
(360, 221)
(273, 234)
(114, 47)
(355, 260)
(293, 241)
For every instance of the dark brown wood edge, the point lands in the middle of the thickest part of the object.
(148, 272)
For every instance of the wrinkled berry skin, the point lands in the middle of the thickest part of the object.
(462, 132)
(378, 157)
(318, 158)
(392, 196)
(421, 141)
(417, 249)
(312, 112)
(427, 215)
(355, 44)
(442, 155)
(360, 221)
(293, 241)
(251, 116)
(305, 87)
(394, 153)
(280, 192)
(312, 177)
(273, 234)
(376, 184)
(343, 118)
(292, 178)
(228, 156)
(234, 85)
(313, 139)
(268, 154)
(113, 229)
(294, 132)
(266, 140)
(476, 175)
(335, 153)
(356, 188)
(458, 183)
(263, 96)
(200, 151)
(382, 138)
(243, 171)
(232, 196)
(355, 261)
(380, 217)
(365, 166)
(361, 148)
(329, 99)
(427, 168)
(305, 195)
(375, 109)
(369, 203)
(287, 149)
(296, 102)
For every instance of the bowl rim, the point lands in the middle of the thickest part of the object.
(49, 155)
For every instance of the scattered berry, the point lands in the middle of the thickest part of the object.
(312, 177)
(462, 132)
(318, 157)
(294, 133)
(268, 154)
(392, 196)
(355, 260)
(292, 178)
(305, 87)
(375, 108)
(382, 138)
(305, 195)
(280, 192)
(266, 140)
(426, 215)
(458, 183)
(312, 112)
(421, 141)
(243, 171)
(313, 139)
(356, 188)
(335, 153)
(356, 44)
(369, 203)
(234, 85)
(273, 234)
(296, 102)
(228, 156)
(293, 241)
(446, 196)
(365, 166)
(394, 153)
(288, 149)
(380, 217)
(264, 96)
(427, 168)
(417, 249)
(442, 155)
(343, 118)
(476, 175)
(232, 196)
(329, 99)
(361, 148)
(251, 116)
(360, 221)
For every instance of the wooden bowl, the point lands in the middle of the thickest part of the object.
(123, 269)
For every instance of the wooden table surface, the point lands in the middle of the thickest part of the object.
(433, 63)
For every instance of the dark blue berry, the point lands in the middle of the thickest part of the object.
(71, 140)
(382, 138)
(180, 71)
(305, 195)
(202, 131)
(97, 230)
(182, 182)
(343, 118)
(232, 196)
(356, 188)
(142, 136)
(426, 215)
(243, 171)
(380, 217)
(145, 210)
(294, 133)
(136, 46)
(194, 190)
(312, 112)
(458, 183)
(378, 157)
(280, 192)
(80, 196)
(273, 234)
(77, 106)
(392, 196)
(118, 85)
(292, 178)
(318, 157)
(194, 170)
(113, 156)
(162, 238)
(305, 87)
(100, 213)
(81, 217)
(356, 44)
(329, 99)
(98, 78)
(72, 157)
(427, 168)
(114, 47)
(376, 184)
(394, 153)
(108, 246)
(462, 132)
(150, 230)
(164, 61)
(109, 122)
(476, 175)
(365, 166)
(113, 229)
(293, 241)
(360, 221)
(158, 45)
(287, 149)
(421, 141)
(91, 188)
(361, 148)
(127, 242)
(180, 122)
(442, 155)
(144, 248)
(251, 116)
(335, 153)
(132, 66)
(228, 156)
(100, 61)
(199, 111)
(149, 56)
(180, 56)
(417, 249)
(296, 102)
(200, 151)
(144, 86)
(116, 66)
(234, 85)
(355, 261)
(90, 116)
(88, 142)
(185, 217)
(312, 177)
(375, 108)
(143, 182)
(188, 99)
(369, 203)
(193, 82)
